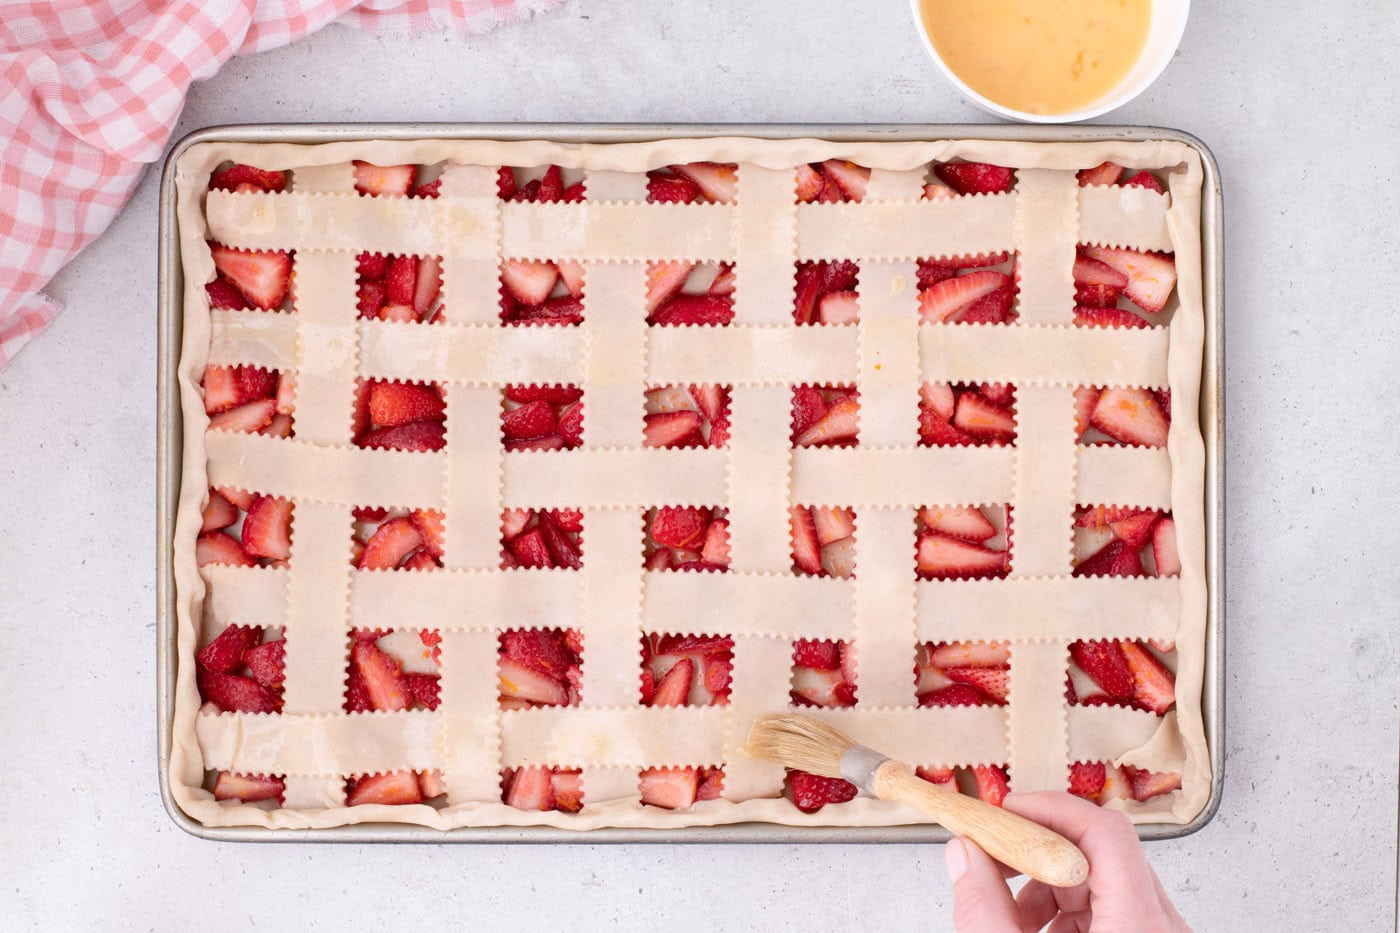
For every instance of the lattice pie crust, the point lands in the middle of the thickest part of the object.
(883, 611)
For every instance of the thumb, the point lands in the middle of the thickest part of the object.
(982, 903)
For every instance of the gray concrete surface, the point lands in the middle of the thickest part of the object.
(1301, 109)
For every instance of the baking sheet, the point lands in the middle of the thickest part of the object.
(171, 442)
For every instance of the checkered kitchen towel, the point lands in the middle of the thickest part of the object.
(91, 89)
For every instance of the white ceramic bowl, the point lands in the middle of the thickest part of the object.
(1163, 36)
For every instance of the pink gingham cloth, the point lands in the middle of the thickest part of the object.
(90, 91)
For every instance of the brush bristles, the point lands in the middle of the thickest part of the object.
(798, 742)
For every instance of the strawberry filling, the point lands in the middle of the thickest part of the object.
(686, 538)
(973, 673)
(965, 414)
(1122, 415)
(972, 178)
(393, 670)
(1122, 541)
(397, 539)
(825, 416)
(248, 278)
(538, 186)
(823, 541)
(412, 181)
(539, 667)
(1100, 782)
(393, 788)
(1127, 673)
(826, 292)
(686, 670)
(679, 788)
(963, 542)
(399, 415)
(248, 399)
(244, 529)
(831, 181)
(681, 293)
(537, 291)
(810, 792)
(823, 674)
(687, 416)
(694, 182)
(542, 539)
(399, 288)
(241, 671)
(540, 788)
(541, 417)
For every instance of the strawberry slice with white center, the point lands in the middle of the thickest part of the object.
(386, 180)
(1148, 784)
(993, 681)
(394, 789)
(717, 182)
(810, 183)
(839, 308)
(568, 790)
(1154, 685)
(1151, 276)
(959, 521)
(992, 783)
(1104, 662)
(1086, 399)
(430, 784)
(942, 557)
(217, 547)
(673, 429)
(249, 419)
(938, 398)
(716, 549)
(980, 418)
(387, 548)
(429, 523)
(571, 274)
(674, 687)
(948, 301)
(664, 281)
(824, 688)
(971, 654)
(1136, 530)
(267, 528)
(1131, 416)
(1105, 173)
(851, 178)
(427, 285)
(248, 788)
(261, 275)
(222, 389)
(529, 281)
(531, 789)
(520, 682)
(837, 427)
(806, 548)
(1115, 559)
(1164, 553)
(669, 788)
(941, 777)
(832, 524)
(382, 676)
(218, 514)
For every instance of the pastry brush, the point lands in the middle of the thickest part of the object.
(813, 746)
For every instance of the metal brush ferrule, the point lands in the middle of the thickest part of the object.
(858, 765)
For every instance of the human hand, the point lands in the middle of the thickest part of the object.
(1121, 893)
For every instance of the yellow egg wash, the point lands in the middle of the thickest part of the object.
(1039, 56)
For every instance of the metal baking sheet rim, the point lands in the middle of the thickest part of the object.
(170, 443)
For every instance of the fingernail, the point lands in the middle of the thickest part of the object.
(955, 855)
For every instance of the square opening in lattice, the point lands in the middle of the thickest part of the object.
(1116, 287)
(399, 288)
(397, 539)
(700, 293)
(825, 416)
(395, 788)
(823, 674)
(1124, 541)
(1122, 415)
(966, 673)
(540, 788)
(268, 790)
(827, 292)
(823, 540)
(397, 415)
(831, 182)
(687, 538)
(535, 539)
(537, 417)
(241, 670)
(543, 184)
(687, 416)
(249, 399)
(540, 291)
(989, 783)
(386, 181)
(978, 289)
(540, 667)
(686, 670)
(694, 183)
(1121, 673)
(962, 414)
(679, 788)
(245, 529)
(1100, 782)
(957, 177)
(246, 279)
(391, 670)
(963, 542)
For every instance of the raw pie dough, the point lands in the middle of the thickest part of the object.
(613, 356)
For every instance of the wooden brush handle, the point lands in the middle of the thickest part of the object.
(1013, 840)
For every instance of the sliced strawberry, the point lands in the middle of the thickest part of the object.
(222, 389)
(839, 308)
(1115, 559)
(1086, 779)
(711, 784)
(1107, 317)
(225, 653)
(1136, 530)
(811, 792)
(554, 394)
(723, 284)
(1164, 552)
(971, 654)
(378, 180)
(809, 287)
(568, 790)
(530, 789)
(664, 281)
(398, 314)
(837, 427)
(535, 419)
(974, 177)
(820, 655)
(424, 690)
(1095, 296)
(674, 688)
(960, 521)
(248, 788)
(810, 183)
(1104, 662)
(218, 514)
(1154, 686)
(570, 520)
(255, 382)
(1148, 784)
(390, 544)
(992, 681)
(950, 300)
(541, 650)
(669, 788)
(262, 276)
(232, 693)
(394, 788)
(1132, 416)
(217, 547)
(563, 551)
(811, 687)
(267, 529)
(427, 285)
(223, 296)
(1151, 276)
(418, 436)
(954, 695)
(370, 299)
(849, 177)
(1086, 399)
(267, 662)
(530, 550)
(700, 310)
(716, 549)
(664, 188)
(1116, 785)
(806, 548)
(238, 175)
(673, 429)
(430, 784)
(808, 408)
(1090, 271)
(382, 676)
(1105, 516)
(1106, 173)
(1144, 179)
(980, 418)
(520, 682)
(944, 777)
(250, 418)
(680, 527)
(717, 182)
(941, 557)
(551, 185)
(530, 282)
(992, 783)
